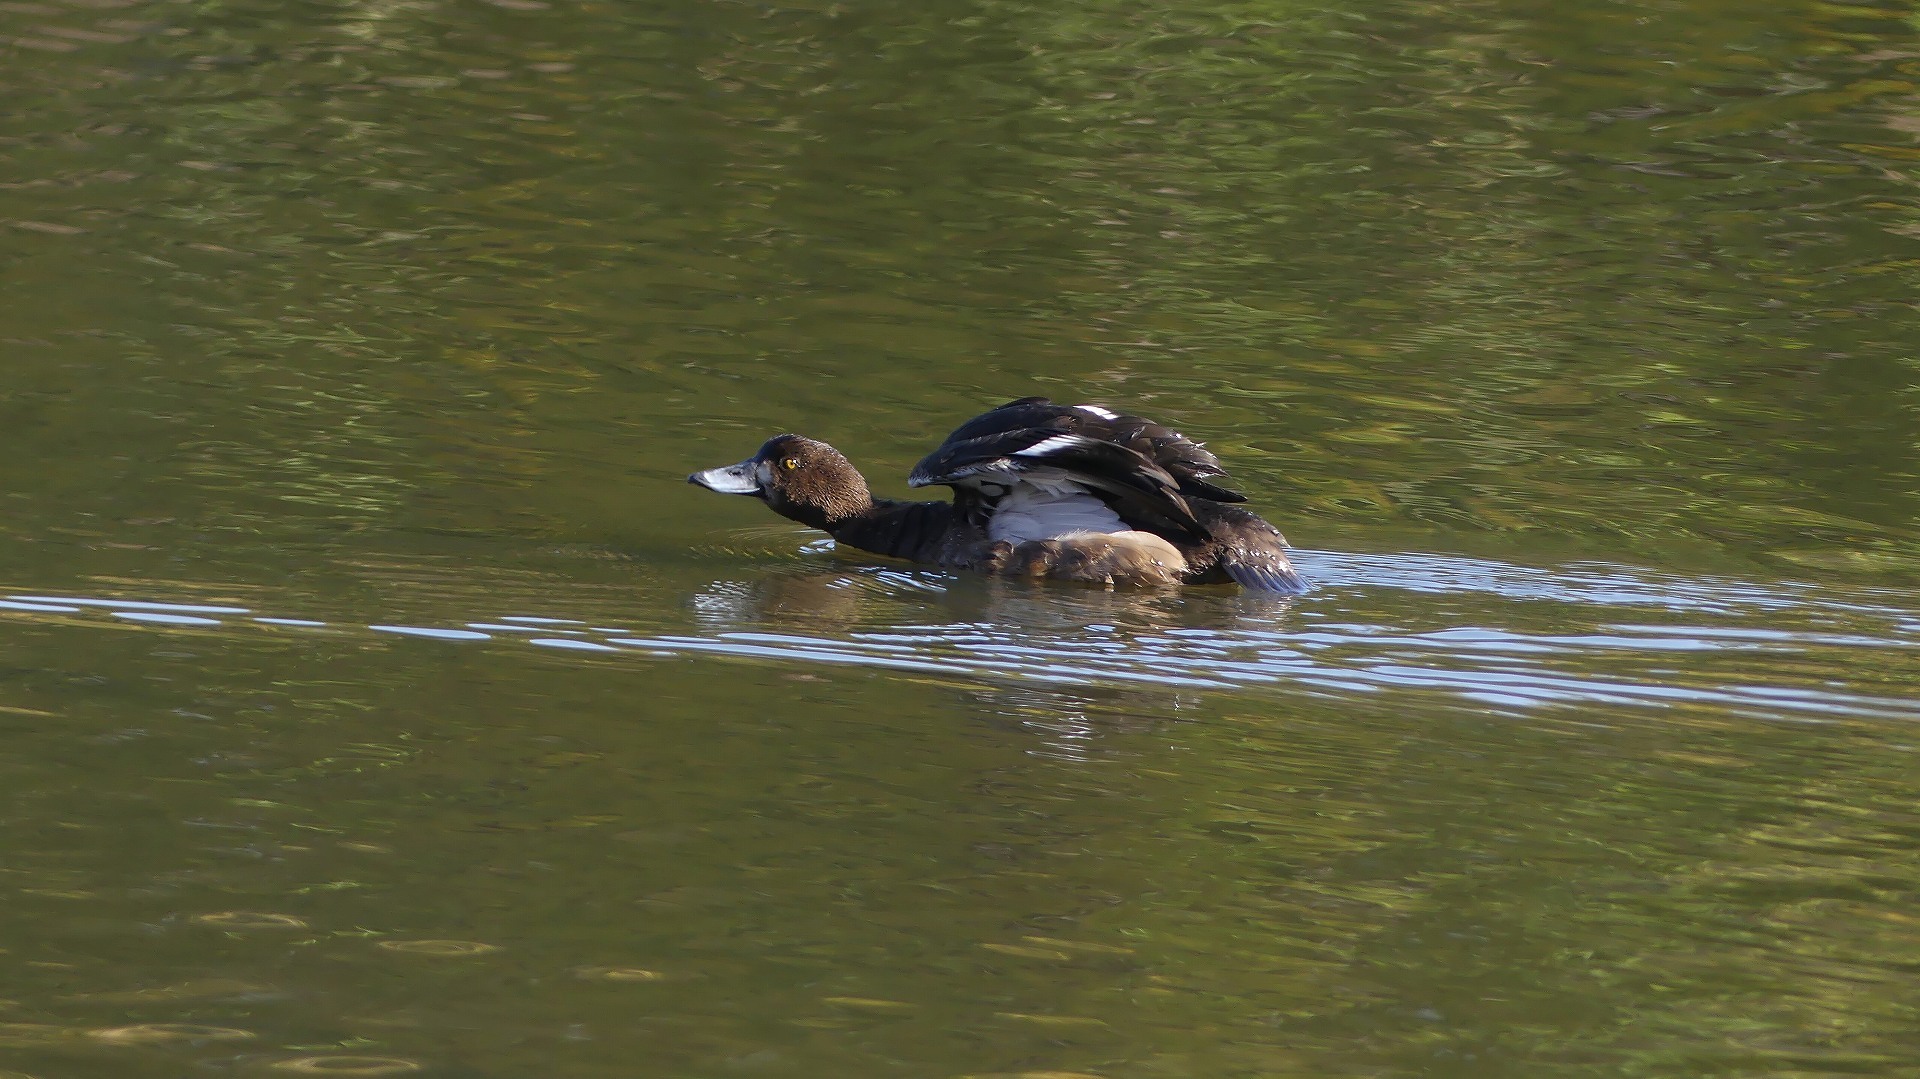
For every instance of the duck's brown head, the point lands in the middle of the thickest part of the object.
(803, 480)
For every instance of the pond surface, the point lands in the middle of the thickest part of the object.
(378, 698)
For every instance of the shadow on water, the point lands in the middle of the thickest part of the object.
(1481, 634)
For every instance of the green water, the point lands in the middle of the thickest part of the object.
(378, 699)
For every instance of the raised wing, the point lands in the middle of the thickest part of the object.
(1079, 438)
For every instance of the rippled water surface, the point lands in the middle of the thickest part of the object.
(378, 699)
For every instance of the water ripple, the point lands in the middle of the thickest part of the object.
(1510, 637)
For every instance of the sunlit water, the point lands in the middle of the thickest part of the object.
(1423, 746)
(377, 697)
(1618, 637)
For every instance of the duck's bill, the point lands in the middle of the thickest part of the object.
(740, 479)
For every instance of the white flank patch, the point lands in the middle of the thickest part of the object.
(1031, 513)
(1096, 410)
(1046, 447)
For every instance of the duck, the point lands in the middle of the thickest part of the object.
(1038, 490)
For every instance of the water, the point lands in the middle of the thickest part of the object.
(379, 699)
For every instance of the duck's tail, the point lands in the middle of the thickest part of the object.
(1263, 571)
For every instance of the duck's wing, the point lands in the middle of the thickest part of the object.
(1035, 441)
(1187, 461)
(1034, 430)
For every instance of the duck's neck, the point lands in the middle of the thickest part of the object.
(846, 510)
(827, 506)
(912, 530)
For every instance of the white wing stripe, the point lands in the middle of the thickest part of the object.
(1096, 410)
(1047, 447)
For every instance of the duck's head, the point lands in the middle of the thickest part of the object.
(801, 479)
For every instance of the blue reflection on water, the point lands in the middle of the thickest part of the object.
(1531, 639)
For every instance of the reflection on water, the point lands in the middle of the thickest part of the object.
(376, 698)
(938, 819)
(1484, 633)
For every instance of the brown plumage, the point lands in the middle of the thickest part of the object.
(1062, 492)
(1138, 558)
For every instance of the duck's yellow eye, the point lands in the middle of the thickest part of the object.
(789, 463)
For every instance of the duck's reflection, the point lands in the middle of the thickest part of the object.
(1584, 635)
(1060, 661)
(918, 600)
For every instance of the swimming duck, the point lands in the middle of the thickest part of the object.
(1066, 492)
